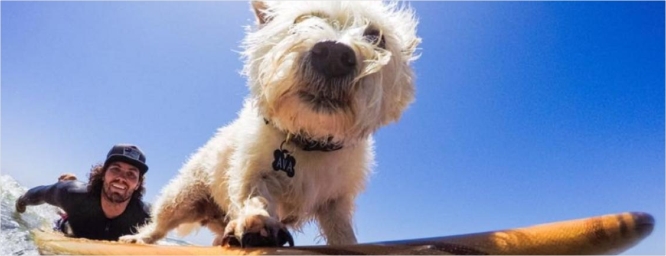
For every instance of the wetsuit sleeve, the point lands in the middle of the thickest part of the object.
(54, 194)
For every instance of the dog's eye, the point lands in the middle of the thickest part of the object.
(375, 37)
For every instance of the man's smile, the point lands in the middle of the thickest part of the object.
(118, 186)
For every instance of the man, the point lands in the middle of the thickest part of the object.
(109, 206)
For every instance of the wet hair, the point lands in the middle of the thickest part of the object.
(96, 182)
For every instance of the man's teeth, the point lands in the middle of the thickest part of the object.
(118, 186)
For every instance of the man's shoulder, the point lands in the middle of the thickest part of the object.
(71, 196)
(73, 187)
(146, 207)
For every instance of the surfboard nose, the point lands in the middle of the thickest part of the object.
(644, 223)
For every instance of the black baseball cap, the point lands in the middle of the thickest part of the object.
(127, 153)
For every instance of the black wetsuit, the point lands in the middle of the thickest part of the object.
(84, 210)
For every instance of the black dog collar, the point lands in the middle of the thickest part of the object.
(311, 145)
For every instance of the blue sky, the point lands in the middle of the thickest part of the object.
(525, 112)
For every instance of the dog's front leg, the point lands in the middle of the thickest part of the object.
(335, 221)
(256, 224)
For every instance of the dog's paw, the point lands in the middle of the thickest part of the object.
(136, 239)
(255, 231)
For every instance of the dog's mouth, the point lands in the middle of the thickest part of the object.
(322, 103)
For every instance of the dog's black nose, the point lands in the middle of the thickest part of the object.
(333, 59)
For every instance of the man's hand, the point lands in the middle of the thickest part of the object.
(20, 205)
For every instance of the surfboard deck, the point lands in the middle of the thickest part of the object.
(606, 234)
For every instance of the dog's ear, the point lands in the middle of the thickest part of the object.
(260, 9)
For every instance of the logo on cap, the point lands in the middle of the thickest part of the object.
(131, 153)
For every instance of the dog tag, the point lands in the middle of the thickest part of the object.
(283, 161)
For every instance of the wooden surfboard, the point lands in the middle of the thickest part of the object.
(607, 234)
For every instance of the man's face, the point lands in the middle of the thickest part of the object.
(120, 181)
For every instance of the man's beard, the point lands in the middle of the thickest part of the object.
(115, 197)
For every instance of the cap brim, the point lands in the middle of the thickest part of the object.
(143, 168)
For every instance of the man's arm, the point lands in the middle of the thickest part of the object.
(51, 194)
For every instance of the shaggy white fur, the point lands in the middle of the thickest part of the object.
(297, 90)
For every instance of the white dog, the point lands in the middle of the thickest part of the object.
(323, 77)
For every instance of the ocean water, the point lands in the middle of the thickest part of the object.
(15, 228)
